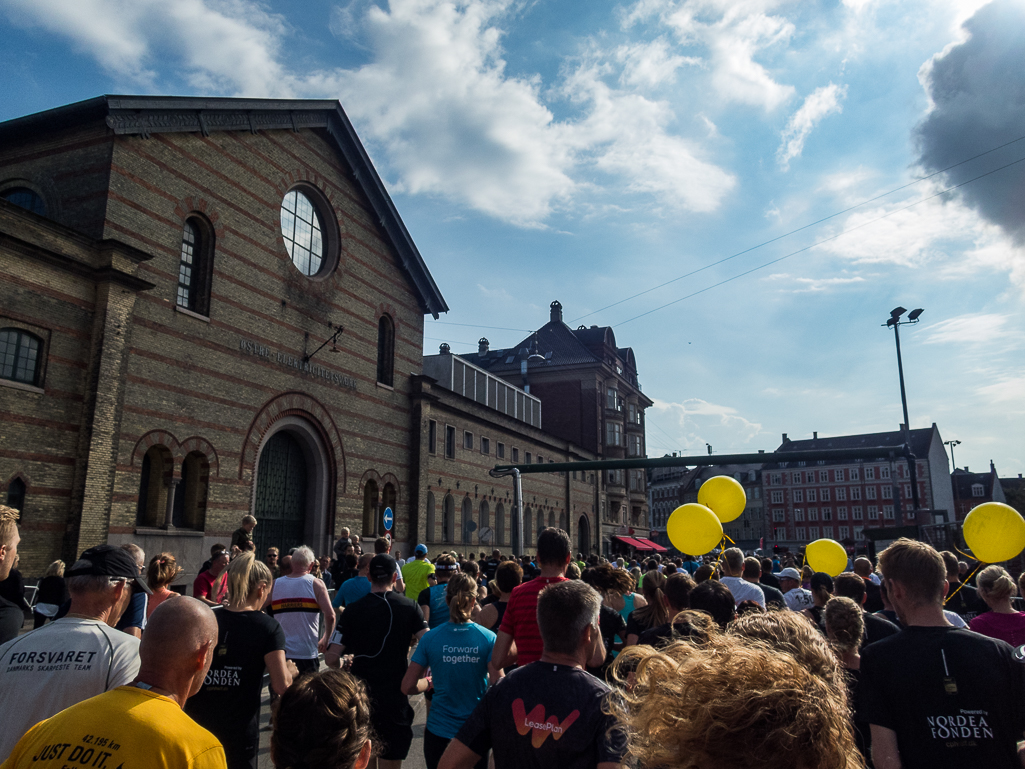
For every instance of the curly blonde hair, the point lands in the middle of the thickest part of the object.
(794, 634)
(732, 701)
(844, 624)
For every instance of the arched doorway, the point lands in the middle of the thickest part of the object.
(584, 536)
(448, 516)
(292, 493)
(281, 485)
(467, 536)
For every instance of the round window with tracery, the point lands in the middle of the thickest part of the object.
(303, 232)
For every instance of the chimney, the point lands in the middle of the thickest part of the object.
(992, 467)
(482, 346)
(785, 438)
(815, 436)
(444, 349)
(556, 312)
(761, 451)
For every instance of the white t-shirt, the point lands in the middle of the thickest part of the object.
(798, 599)
(57, 666)
(954, 619)
(744, 591)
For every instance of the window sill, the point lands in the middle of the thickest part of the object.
(22, 386)
(191, 314)
(172, 532)
(383, 386)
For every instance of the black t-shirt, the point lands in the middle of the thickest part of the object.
(610, 624)
(52, 590)
(544, 715)
(955, 698)
(965, 601)
(12, 617)
(666, 634)
(773, 597)
(490, 567)
(877, 628)
(636, 623)
(873, 596)
(229, 702)
(768, 579)
(378, 629)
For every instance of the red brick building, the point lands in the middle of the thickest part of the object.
(210, 308)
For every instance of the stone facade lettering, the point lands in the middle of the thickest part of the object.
(297, 364)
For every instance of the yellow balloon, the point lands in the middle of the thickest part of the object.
(694, 529)
(724, 496)
(826, 555)
(995, 532)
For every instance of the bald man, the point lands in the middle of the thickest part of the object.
(143, 723)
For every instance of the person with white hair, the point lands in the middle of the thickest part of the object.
(297, 600)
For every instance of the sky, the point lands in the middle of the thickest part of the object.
(742, 189)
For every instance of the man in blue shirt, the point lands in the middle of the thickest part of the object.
(355, 588)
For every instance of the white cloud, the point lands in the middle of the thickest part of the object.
(815, 285)
(1006, 389)
(732, 34)
(694, 421)
(821, 103)
(650, 64)
(952, 239)
(978, 328)
(230, 46)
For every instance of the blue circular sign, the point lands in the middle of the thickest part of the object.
(387, 518)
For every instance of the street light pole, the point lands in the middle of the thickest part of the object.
(952, 444)
(895, 321)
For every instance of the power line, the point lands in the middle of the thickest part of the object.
(804, 227)
(817, 243)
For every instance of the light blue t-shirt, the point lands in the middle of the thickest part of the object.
(351, 591)
(458, 656)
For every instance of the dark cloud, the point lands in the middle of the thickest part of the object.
(978, 88)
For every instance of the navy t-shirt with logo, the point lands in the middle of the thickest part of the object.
(954, 698)
(544, 715)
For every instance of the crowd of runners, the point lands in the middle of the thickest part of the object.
(544, 661)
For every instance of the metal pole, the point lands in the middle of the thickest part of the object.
(912, 468)
(518, 505)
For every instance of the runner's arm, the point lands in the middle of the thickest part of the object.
(458, 756)
(280, 670)
(597, 648)
(885, 754)
(324, 602)
(501, 655)
(415, 680)
(333, 655)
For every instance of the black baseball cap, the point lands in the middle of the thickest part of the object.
(108, 561)
(382, 565)
(821, 580)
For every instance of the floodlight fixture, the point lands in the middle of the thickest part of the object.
(896, 312)
(914, 314)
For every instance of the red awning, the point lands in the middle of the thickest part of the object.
(653, 545)
(638, 544)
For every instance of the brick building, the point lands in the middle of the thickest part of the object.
(470, 421)
(210, 308)
(838, 500)
(592, 399)
(973, 489)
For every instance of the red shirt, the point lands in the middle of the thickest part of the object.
(210, 587)
(520, 619)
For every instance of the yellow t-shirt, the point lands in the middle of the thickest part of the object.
(414, 574)
(128, 727)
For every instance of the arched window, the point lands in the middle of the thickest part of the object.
(157, 470)
(551, 519)
(195, 266)
(430, 517)
(467, 520)
(562, 522)
(386, 351)
(25, 198)
(540, 523)
(371, 510)
(448, 519)
(500, 523)
(485, 514)
(20, 356)
(16, 494)
(191, 492)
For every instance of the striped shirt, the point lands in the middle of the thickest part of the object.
(294, 605)
(520, 618)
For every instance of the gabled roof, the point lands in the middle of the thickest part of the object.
(963, 480)
(920, 439)
(145, 115)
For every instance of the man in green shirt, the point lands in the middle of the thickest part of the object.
(416, 572)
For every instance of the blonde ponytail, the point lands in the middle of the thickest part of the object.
(461, 595)
(245, 573)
